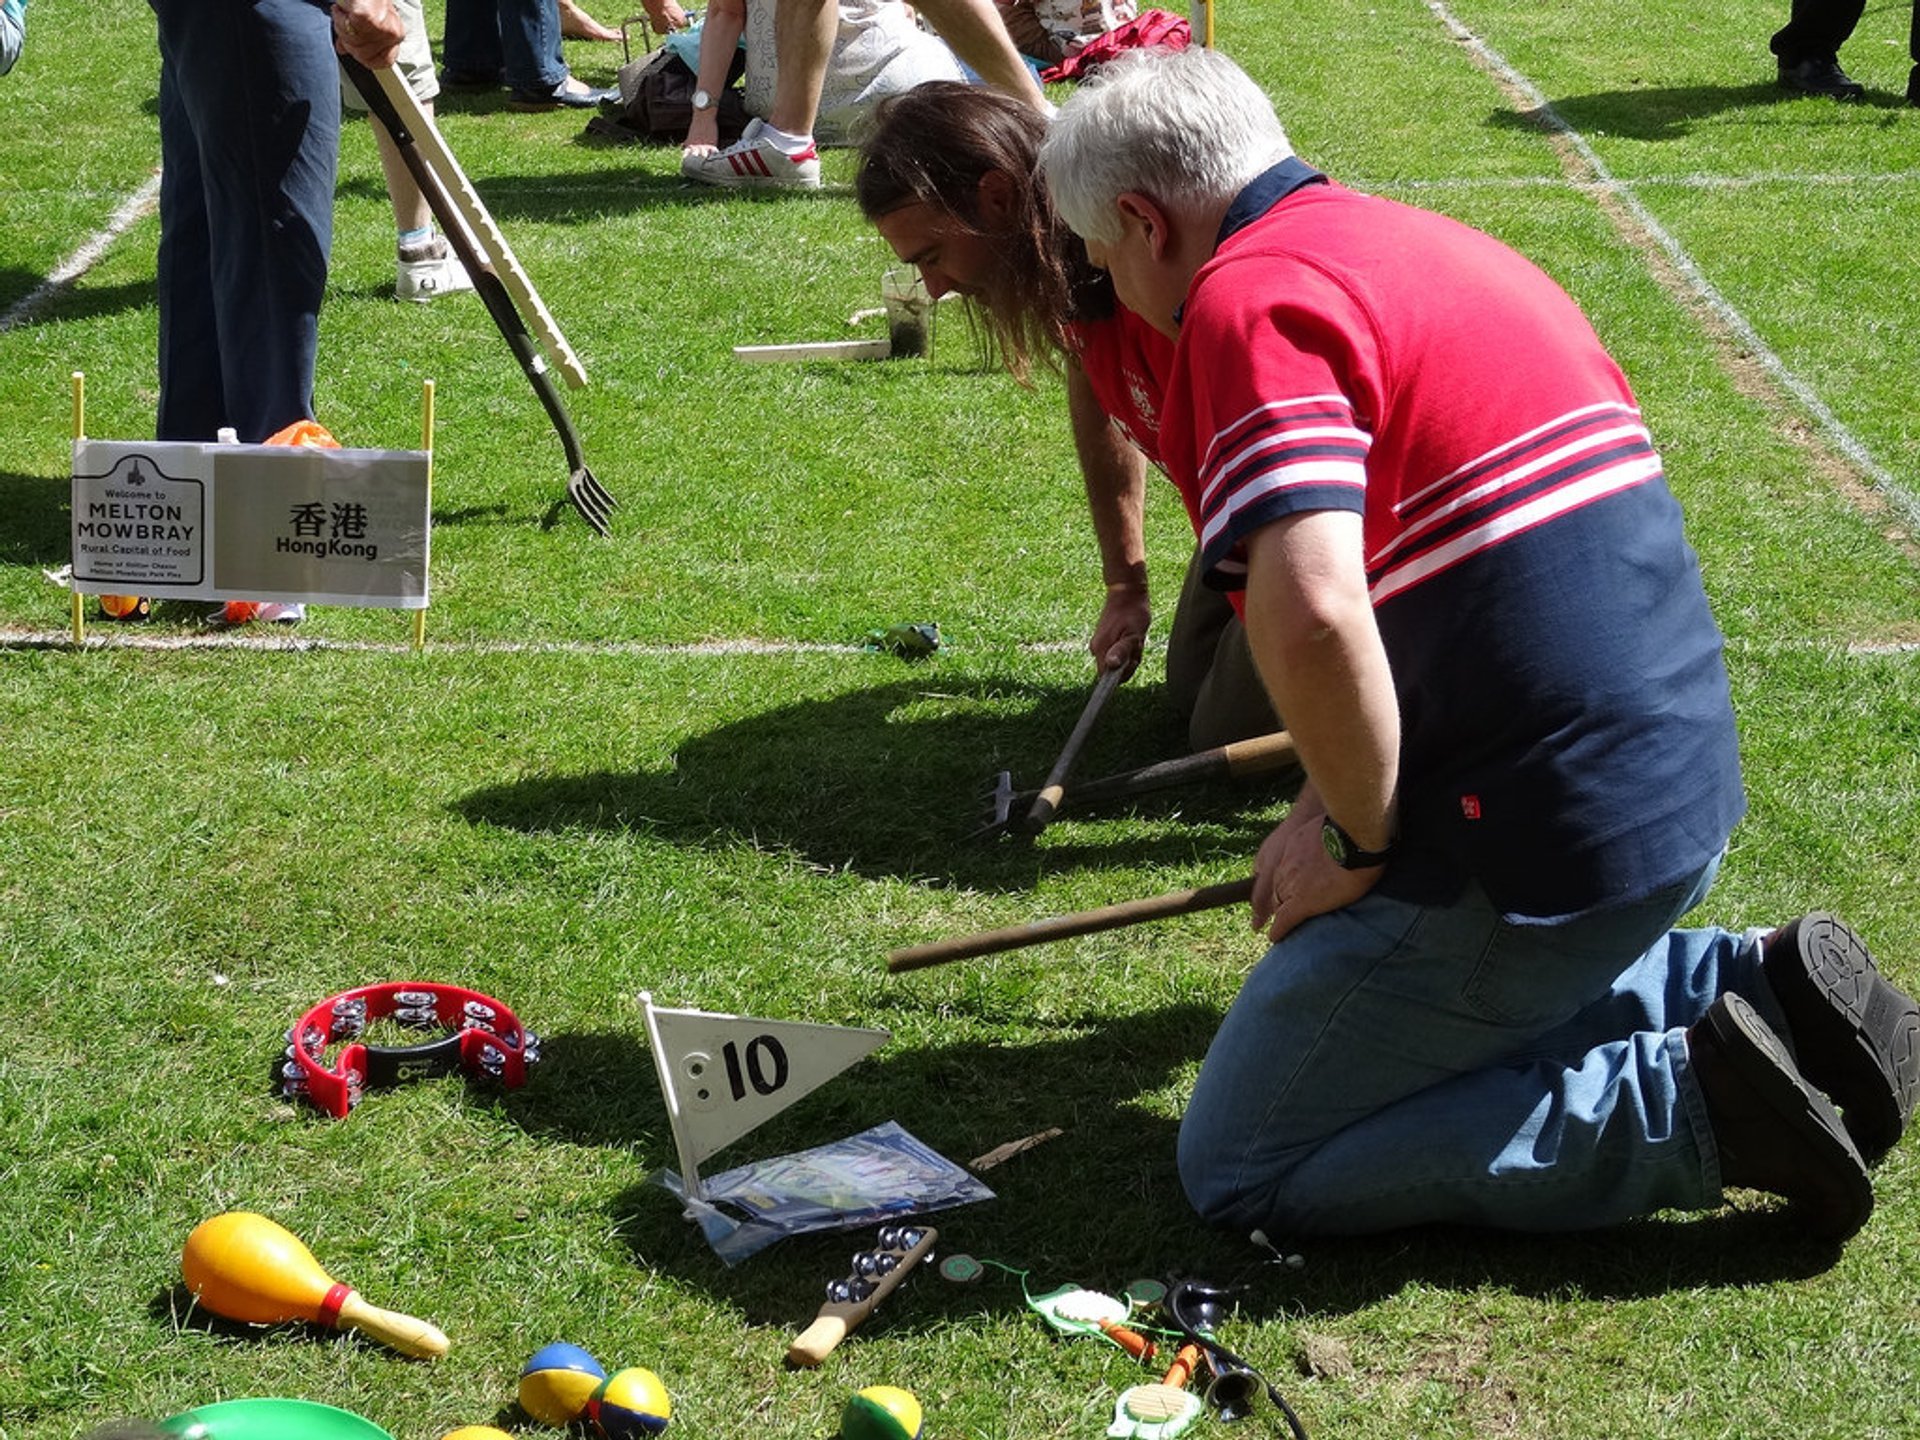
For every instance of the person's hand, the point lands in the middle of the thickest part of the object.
(665, 15)
(1294, 879)
(368, 30)
(703, 135)
(1120, 634)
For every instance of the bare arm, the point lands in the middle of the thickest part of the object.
(1115, 476)
(719, 38)
(1311, 627)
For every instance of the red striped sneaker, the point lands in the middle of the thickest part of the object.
(754, 162)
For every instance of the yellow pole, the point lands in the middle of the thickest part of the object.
(426, 444)
(79, 434)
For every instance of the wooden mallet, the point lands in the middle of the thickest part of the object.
(246, 1267)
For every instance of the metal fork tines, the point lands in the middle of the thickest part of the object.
(591, 499)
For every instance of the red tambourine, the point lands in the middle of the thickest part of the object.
(482, 1038)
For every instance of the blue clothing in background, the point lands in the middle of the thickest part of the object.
(13, 32)
(249, 145)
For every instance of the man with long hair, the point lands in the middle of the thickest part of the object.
(947, 175)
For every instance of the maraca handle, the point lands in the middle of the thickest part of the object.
(403, 1332)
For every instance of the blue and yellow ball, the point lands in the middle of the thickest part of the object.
(557, 1382)
(476, 1432)
(881, 1412)
(629, 1404)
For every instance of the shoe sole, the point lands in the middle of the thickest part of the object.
(732, 181)
(1858, 1035)
(1839, 1193)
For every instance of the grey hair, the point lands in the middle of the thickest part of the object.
(1187, 127)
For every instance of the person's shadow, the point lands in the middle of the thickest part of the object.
(890, 781)
(1099, 1204)
(1670, 112)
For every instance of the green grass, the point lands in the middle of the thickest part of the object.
(571, 796)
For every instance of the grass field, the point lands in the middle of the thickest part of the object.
(663, 761)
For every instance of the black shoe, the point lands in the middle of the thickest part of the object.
(451, 79)
(1913, 86)
(1773, 1130)
(1856, 1035)
(562, 95)
(1820, 75)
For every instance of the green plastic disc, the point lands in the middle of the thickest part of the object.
(271, 1419)
(961, 1269)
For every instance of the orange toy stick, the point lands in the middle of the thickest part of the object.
(1186, 1360)
(1131, 1341)
(248, 1268)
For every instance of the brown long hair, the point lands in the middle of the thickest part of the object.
(934, 144)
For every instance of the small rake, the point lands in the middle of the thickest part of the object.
(505, 291)
(1262, 755)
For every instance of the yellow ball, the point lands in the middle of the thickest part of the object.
(476, 1432)
(557, 1382)
(630, 1404)
(124, 607)
(881, 1412)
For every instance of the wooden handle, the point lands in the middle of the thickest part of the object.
(813, 1344)
(1262, 755)
(1061, 927)
(1241, 760)
(474, 211)
(1048, 800)
(837, 1318)
(402, 1332)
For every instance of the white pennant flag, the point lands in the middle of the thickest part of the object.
(723, 1075)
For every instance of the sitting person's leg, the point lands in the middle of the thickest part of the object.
(1211, 677)
(1393, 1064)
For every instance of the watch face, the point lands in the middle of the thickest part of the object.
(702, 100)
(1334, 842)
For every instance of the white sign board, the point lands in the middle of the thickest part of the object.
(176, 520)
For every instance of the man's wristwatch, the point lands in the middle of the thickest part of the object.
(1344, 852)
(703, 101)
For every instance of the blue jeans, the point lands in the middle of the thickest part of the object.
(249, 146)
(517, 38)
(1394, 1064)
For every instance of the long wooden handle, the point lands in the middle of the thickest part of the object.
(1062, 927)
(474, 211)
(1048, 800)
(1240, 760)
(404, 1333)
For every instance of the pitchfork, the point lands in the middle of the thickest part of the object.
(386, 99)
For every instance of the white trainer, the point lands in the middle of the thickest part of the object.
(755, 162)
(429, 271)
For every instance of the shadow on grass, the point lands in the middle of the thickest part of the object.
(890, 781)
(37, 530)
(1670, 112)
(1101, 1204)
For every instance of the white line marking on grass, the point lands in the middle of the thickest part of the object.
(1830, 424)
(1698, 180)
(136, 206)
(107, 636)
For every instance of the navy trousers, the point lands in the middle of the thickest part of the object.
(518, 39)
(250, 146)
